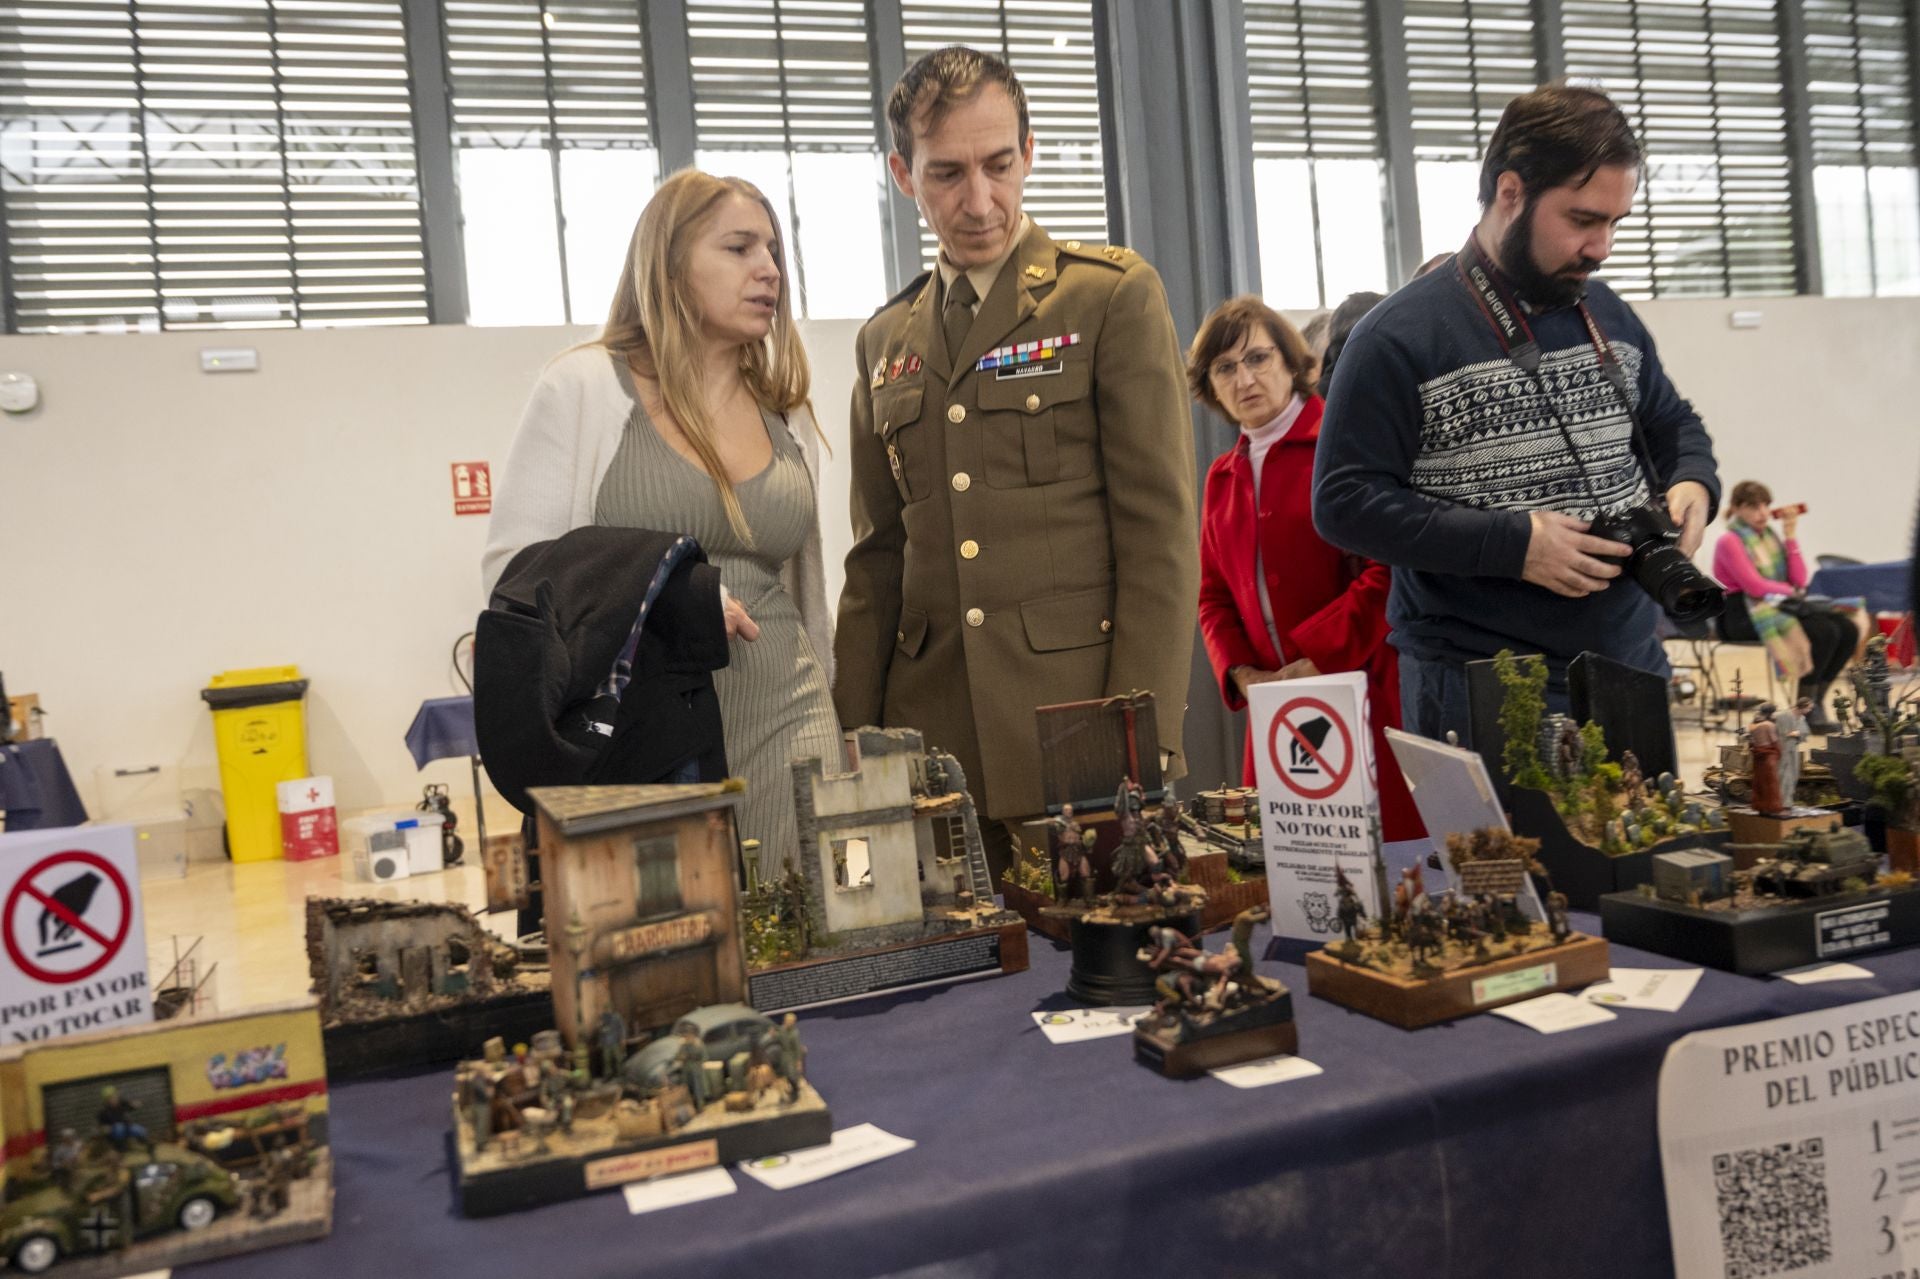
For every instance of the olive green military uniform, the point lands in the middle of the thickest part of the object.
(1026, 534)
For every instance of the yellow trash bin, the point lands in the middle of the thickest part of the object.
(260, 731)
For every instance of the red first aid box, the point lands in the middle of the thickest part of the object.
(309, 827)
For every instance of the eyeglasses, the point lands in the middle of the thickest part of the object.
(1257, 360)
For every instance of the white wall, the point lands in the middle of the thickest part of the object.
(158, 524)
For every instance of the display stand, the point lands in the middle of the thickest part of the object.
(1412, 1003)
(1582, 872)
(1767, 939)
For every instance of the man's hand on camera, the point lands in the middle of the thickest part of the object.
(1689, 504)
(1562, 557)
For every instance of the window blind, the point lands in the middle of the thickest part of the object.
(524, 74)
(781, 75)
(1466, 59)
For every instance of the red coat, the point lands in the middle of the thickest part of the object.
(1328, 605)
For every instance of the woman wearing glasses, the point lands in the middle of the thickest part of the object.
(1277, 602)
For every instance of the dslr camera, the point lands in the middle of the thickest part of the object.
(1683, 591)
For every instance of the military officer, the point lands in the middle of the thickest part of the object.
(1022, 456)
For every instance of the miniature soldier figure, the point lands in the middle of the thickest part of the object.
(476, 1094)
(1557, 916)
(1842, 709)
(1763, 740)
(1072, 870)
(690, 1063)
(1631, 778)
(273, 1192)
(1351, 909)
(793, 1055)
(1129, 802)
(556, 1093)
(1409, 895)
(610, 1036)
(1791, 723)
(1569, 750)
(1173, 854)
(116, 1120)
(63, 1158)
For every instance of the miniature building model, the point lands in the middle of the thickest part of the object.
(883, 842)
(402, 953)
(642, 898)
(1691, 875)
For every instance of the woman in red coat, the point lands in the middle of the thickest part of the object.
(1277, 602)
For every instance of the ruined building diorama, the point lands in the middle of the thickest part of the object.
(410, 983)
(1759, 908)
(655, 1064)
(888, 887)
(1428, 959)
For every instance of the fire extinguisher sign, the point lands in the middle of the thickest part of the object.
(472, 488)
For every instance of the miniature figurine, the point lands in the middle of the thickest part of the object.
(1790, 723)
(1072, 870)
(610, 1037)
(1211, 1009)
(1166, 839)
(792, 1061)
(1557, 916)
(1632, 783)
(1763, 740)
(116, 1120)
(1351, 909)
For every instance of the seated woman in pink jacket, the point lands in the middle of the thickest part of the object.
(1766, 583)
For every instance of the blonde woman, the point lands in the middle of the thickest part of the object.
(689, 414)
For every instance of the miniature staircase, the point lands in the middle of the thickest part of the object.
(979, 878)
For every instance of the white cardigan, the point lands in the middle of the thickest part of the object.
(567, 438)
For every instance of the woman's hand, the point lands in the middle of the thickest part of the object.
(1299, 669)
(1245, 677)
(738, 623)
(1788, 523)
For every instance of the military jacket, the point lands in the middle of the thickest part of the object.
(1023, 515)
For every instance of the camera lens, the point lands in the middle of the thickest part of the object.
(1682, 591)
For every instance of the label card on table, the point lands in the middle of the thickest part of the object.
(1812, 973)
(671, 1192)
(1551, 1014)
(1660, 990)
(1268, 1070)
(1072, 1025)
(1792, 1146)
(850, 1147)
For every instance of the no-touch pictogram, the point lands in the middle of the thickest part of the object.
(1310, 747)
(67, 917)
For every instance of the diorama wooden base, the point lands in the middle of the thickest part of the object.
(1903, 850)
(438, 1035)
(1029, 905)
(308, 1215)
(1765, 939)
(943, 957)
(1266, 1031)
(1225, 899)
(1412, 1003)
(1750, 827)
(1581, 871)
(544, 1179)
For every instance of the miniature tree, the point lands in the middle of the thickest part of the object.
(1895, 791)
(1593, 747)
(1522, 706)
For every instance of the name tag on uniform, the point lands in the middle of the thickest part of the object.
(1029, 370)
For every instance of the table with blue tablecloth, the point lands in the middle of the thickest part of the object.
(36, 791)
(1884, 586)
(443, 729)
(1474, 1148)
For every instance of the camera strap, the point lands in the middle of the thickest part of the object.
(1507, 318)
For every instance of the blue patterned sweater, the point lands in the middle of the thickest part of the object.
(1435, 446)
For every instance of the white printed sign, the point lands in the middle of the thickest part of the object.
(1319, 808)
(1455, 796)
(1793, 1145)
(72, 931)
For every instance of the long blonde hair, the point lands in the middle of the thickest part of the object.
(653, 319)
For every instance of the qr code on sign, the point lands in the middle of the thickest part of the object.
(1773, 1208)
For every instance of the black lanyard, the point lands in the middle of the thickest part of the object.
(1504, 315)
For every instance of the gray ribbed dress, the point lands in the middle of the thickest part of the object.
(774, 699)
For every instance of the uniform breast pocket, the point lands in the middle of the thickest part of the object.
(896, 420)
(1038, 428)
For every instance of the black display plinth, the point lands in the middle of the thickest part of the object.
(1181, 1050)
(437, 1035)
(1765, 939)
(1107, 968)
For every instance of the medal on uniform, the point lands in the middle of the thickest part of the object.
(899, 362)
(1042, 352)
(913, 364)
(879, 378)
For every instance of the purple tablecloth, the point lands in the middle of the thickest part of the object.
(1472, 1149)
(442, 729)
(1883, 586)
(36, 791)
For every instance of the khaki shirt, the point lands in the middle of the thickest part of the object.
(1023, 535)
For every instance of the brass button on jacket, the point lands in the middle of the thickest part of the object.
(969, 549)
(956, 413)
(975, 617)
(962, 482)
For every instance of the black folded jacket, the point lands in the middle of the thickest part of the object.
(594, 662)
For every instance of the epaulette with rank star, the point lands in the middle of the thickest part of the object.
(1115, 255)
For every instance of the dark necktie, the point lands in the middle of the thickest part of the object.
(961, 296)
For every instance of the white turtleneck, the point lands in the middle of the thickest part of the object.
(1260, 439)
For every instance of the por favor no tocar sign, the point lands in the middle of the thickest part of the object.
(71, 925)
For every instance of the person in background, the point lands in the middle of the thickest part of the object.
(689, 414)
(1276, 601)
(1339, 328)
(1315, 334)
(1810, 641)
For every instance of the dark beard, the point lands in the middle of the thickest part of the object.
(1542, 291)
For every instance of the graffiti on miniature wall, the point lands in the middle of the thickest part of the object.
(253, 1066)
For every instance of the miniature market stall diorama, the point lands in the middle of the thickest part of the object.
(142, 1148)
(888, 888)
(413, 983)
(1212, 1010)
(1431, 958)
(655, 1064)
(1600, 814)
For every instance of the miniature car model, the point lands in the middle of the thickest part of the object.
(165, 1187)
(725, 1029)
